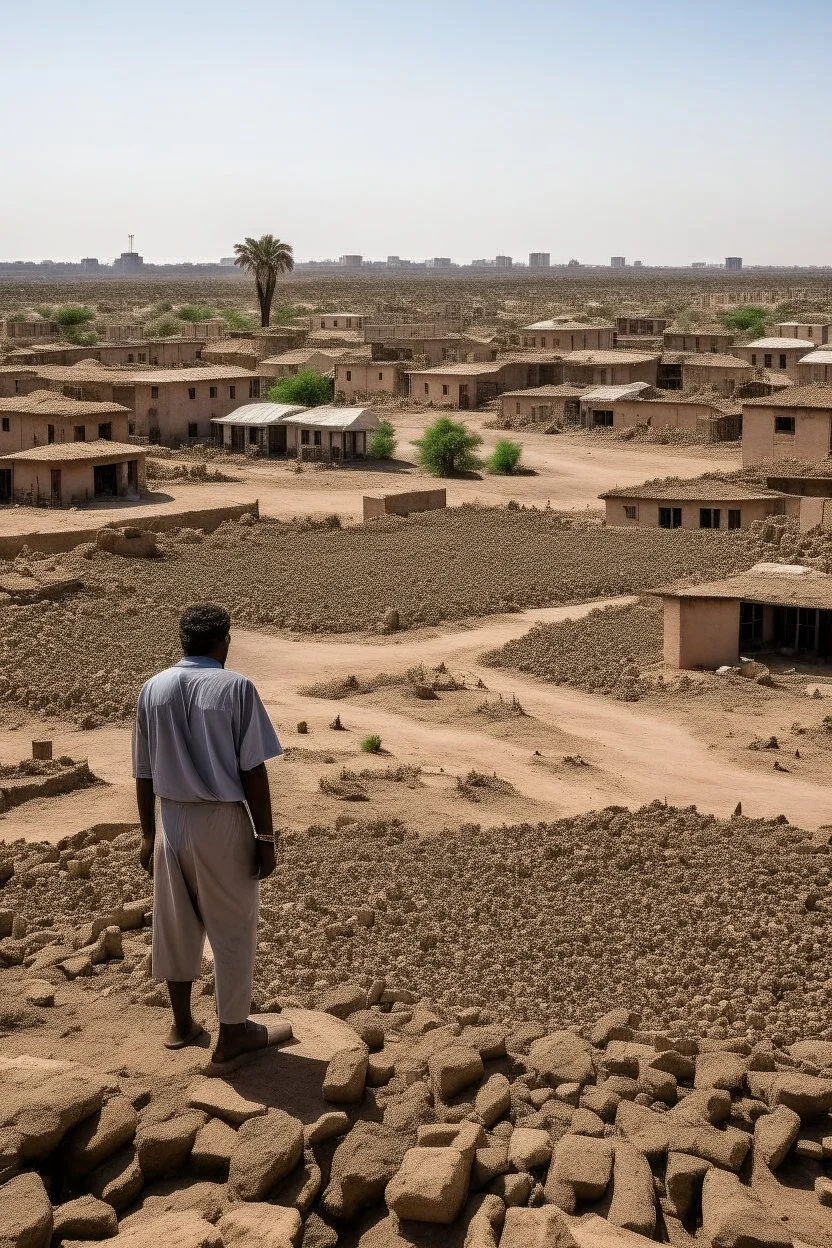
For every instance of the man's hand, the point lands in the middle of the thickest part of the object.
(264, 859)
(146, 855)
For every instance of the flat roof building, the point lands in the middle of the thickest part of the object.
(775, 354)
(567, 336)
(711, 338)
(814, 331)
(624, 407)
(539, 404)
(362, 378)
(71, 474)
(43, 417)
(795, 423)
(697, 504)
(815, 368)
(611, 368)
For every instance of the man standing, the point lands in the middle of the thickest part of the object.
(201, 740)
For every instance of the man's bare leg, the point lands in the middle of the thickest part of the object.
(185, 1029)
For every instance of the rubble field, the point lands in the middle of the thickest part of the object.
(538, 1036)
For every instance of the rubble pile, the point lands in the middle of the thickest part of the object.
(716, 927)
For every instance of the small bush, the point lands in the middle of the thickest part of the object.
(505, 458)
(80, 337)
(448, 447)
(749, 319)
(307, 388)
(194, 313)
(286, 316)
(371, 744)
(72, 314)
(165, 327)
(236, 320)
(382, 442)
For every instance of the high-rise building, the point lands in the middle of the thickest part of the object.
(351, 262)
(733, 263)
(618, 262)
(539, 259)
(502, 262)
(438, 262)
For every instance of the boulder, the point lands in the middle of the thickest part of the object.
(346, 1076)
(683, 1182)
(633, 1204)
(536, 1228)
(260, 1226)
(84, 1218)
(165, 1146)
(118, 1180)
(807, 1095)
(343, 1000)
(43, 1100)
(431, 1185)
(727, 1148)
(774, 1135)
(529, 1148)
(614, 1025)
(561, 1057)
(326, 1127)
(213, 1146)
(513, 1189)
(486, 1223)
(493, 1100)
(101, 1135)
(25, 1213)
(362, 1166)
(267, 1149)
(818, 1052)
(454, 1069)
(733, 1218)
(720, 1070)
(165, 1230)
(220, 1100)
(581, 1169)
(644, 1128)
(40, 992)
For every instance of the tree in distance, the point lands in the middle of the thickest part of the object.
(448, 448)
(72, 314)
(306, 388)
(505, 457)
(265, 258)
(382, 442)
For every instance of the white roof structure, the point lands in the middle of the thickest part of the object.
(824, 356)
(779, 344)
(609, 394)
(335, 418)
(258, 414)
(568, 326)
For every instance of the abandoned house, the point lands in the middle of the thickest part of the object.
(567, 336)
(449, 348)
(697, 504)
(469, 385)
(542, 403)
(815, 331)
(610, 368)
(773, 608)
(44, 417)
(353, 321)
(28, 329)
(713, 339)
(255, 427)
(692, 370)
(70, 474)
(330, 434)
(156, 352)
(624, 407)
(357, 378)
(317, 359)
(643, 326)
(777, 355)
(17, 380)
(795, 423)
(815, 368)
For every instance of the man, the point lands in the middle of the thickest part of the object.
(200, 744)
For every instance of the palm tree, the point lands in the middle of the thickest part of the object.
(266, 258)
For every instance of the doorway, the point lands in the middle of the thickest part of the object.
(105, 480)
(55, 487)
(5, 485)
(277, 439)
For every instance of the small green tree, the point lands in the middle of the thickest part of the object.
(371, 744)
(236, 320)
(165, 327)
(79, 337)
(307, 388)
(72, 314)
(749, 319)
(382, 442)
(505, 457)
(194, 312)
(448, 447)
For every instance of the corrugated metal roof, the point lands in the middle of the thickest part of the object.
(62, 451)
(258, 414)
(335, 418)
(609, 394)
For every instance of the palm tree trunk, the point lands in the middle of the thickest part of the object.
(265, 303)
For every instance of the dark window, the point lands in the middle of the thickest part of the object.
(381, 376)
(142, 358)
(212, 392)
(602, 420)
(751, 624)
(349, 374)
(734, 518)
(105, 431)
(427, 388)
(6, 424)
(784, 424)
(317, 437)
(754, 359)
(709, 517)
(767, 361)
(304, 437)
(79, 434)
(631, 511)
(50, 434)
(191, 392)
(444, 389)
(323, 324)
(782, 361)
(670, 517)
(254, 388)
(252, 437)
(130, 358)
(193, 429)
(232, 392)
(154, 392)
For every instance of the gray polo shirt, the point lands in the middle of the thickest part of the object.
(197, 727)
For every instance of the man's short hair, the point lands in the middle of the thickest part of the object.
(201, 628)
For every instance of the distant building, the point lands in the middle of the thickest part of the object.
(815, 368)
(539, 259)
(610, 368)
(128, 262)
(438, 262)
(643, 326)
(90, 264)
(733, 263)
(351, 262)
(65, 474)
(638, 264)
(795, 423)
(502, 262)
(778, 354)
(715, 339)
(697, 504)
(567, 336)
(228, 262)
(618, 262)
(814, 331)
(336, 320)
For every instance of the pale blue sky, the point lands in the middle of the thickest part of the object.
(667, 132)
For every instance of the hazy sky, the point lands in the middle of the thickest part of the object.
(661, 130)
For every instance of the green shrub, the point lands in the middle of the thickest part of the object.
(159, 309)
(165, 327)
(72, 314)
(307, 388)
(287, 316)
(194, 312)
(448, 447)
(236, 320)
(80, 337)
(748, 319)
(505, 457)
(371, 744)
(382, 442)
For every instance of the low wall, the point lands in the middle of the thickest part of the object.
(27, 788)
(403, 503)
(55, 543)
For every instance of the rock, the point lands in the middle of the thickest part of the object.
(683, 1181)
(43, 1100)
(493, 1100)
(77, 967)
(612, 1026)
(179, 1195)
(25, 1213)
(659, 1085)
(727, 1148)
(260, 1226)
(213, 1146)
(633, 1204)
(162, 1147)
(489, 1163)
(528, 1149)
(489, 1041)
(807, 1095)
(165, 1230)
(809, 1150)
(317, 1234)
(118, 1180)
(720, 1070)
(647, 1130)
(818, 1052)
(346, 1076)
(581, 1169)
(84, 1218)
(327, 1127)
(513, 1189)
(602, 1102)
(362, 1166)
(560, 1057)
(101, 1135)
(380, 1069)
(733, 1218)
(569, 1092)
(267, 1149)
(220, 1100)
(774, 1135)
(454, 1069)
(40, 992)
(536, 1228)
(300, 1188)
(343, 1000)
(431, 1185)
(823, 1190)
(585, 1122)
(369, 1027)
(706, 1107)
(486, 1223)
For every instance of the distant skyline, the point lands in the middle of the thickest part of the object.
(663, 132)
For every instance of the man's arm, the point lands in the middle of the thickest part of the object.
(146, 802)
(256, 788)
